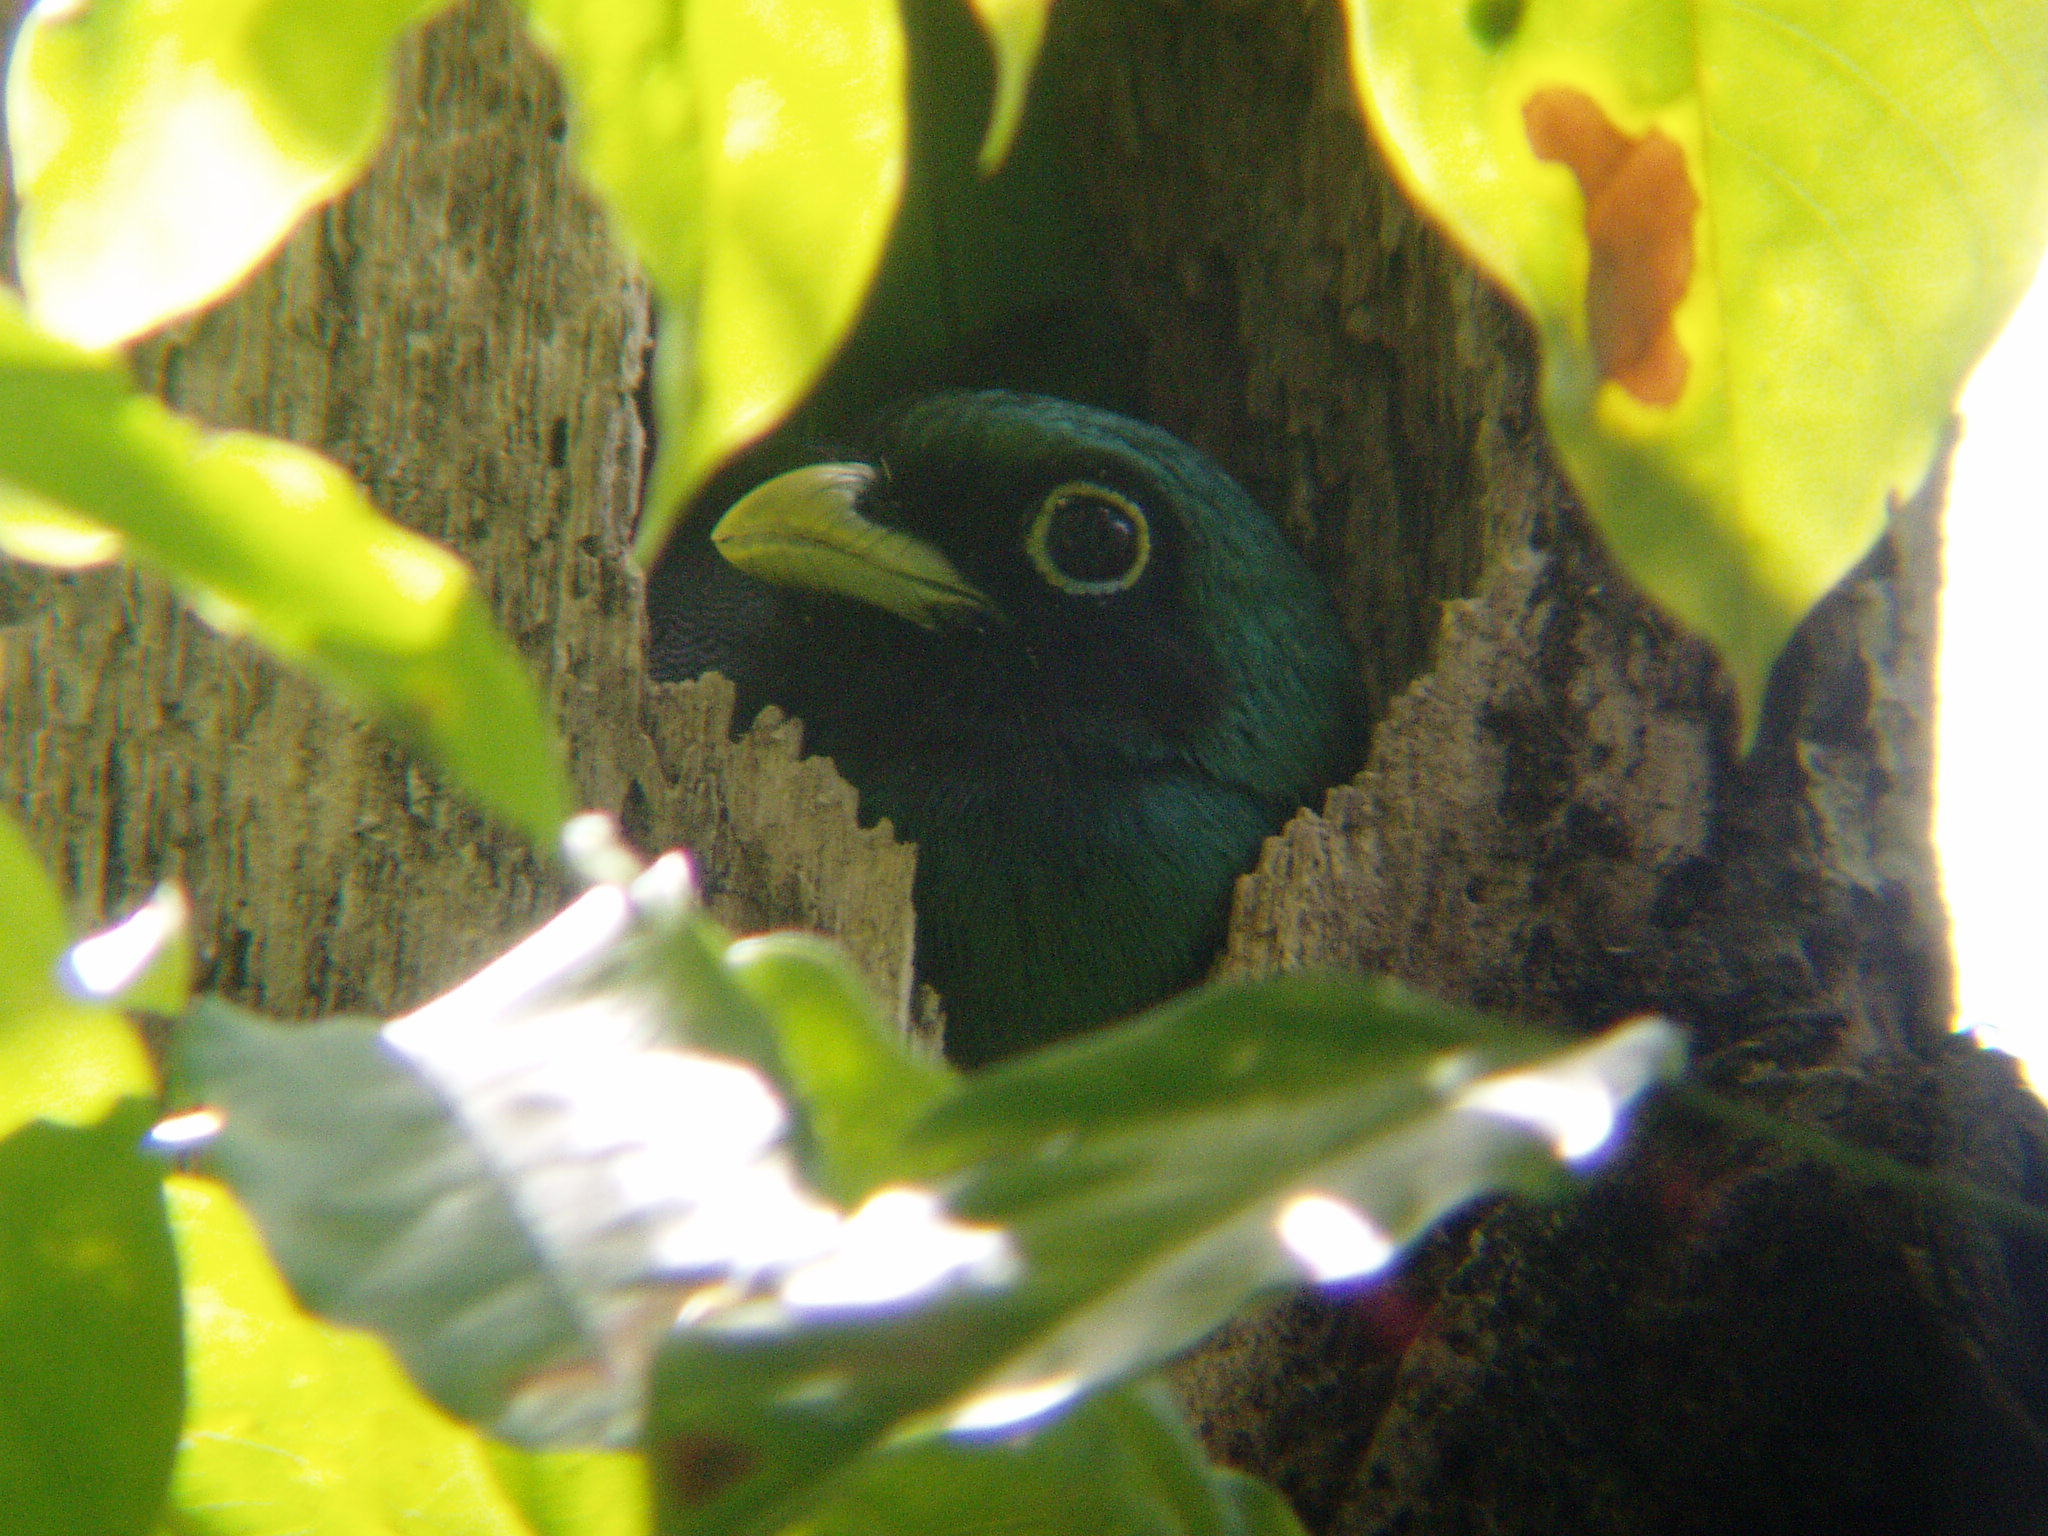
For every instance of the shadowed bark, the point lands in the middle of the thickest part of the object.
(1718, 1335)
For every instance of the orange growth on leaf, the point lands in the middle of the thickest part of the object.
(1640, 205)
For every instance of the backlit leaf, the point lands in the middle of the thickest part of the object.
(161, 150)
(845, 1061)
(1124, 1463)
(269, 538)
(90, 1374)
(622, 1141)
(61, 1058)
(40, 533)
(521, 1182)
(1762, 243)
(296, 1425)
(1151, 1179)
(1016, 31)
(143, 962)
(752, 152)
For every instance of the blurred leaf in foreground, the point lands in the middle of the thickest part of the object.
(620, 1139)
(298, 1425)
(1016, 31)
(1150, 1179)
(160, 151)
(1122, 1463)
(90, 1373)
(1762, 244)
(271, 539)
(752, 152)
(599, 1125)
(145, 961)
(62, 1058)
(90, 1370)
(845, 1063)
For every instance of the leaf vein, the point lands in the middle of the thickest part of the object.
(1875, 91)
(1866, 288)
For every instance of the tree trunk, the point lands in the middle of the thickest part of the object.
(460, 334)
(1718, 1335)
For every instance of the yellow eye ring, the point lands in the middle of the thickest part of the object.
(1088, 540)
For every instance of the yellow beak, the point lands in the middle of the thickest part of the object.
(802, 530)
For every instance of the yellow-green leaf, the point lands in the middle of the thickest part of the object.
(35, 531)
(1016, 31)
(299, 1425)
(145, 962)
(161, 150)
(266, 537)
(1762, 243)
(60, 1059)
(89, 1364)
(752, 152)
(90, 1377)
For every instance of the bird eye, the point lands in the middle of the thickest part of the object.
(1088, 541)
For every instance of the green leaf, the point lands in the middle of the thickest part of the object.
(1148, 1180)
(526, 1183)
(143, 962)
(519, 1182)
(989, 280)
(1122, 1464)
(40, 533)
(387, 1213)
(1016, 31)
(576, 1493)
(90, 1372)
(35, 933)
(1258, 1507)
(270, 538)
(1763, 244)
(299, 1426)
(61, 1059)
(160, 151)
(752, 153)
(850, 1067)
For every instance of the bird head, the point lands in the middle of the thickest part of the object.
(1000, 583)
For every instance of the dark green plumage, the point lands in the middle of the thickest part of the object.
(1105, 679)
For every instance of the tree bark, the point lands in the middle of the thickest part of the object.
(461, 334)
(1719, 1333)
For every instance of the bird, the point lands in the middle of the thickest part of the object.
(1066, 655)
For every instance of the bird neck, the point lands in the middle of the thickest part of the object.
(1049, 905)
